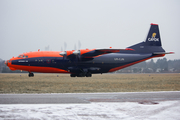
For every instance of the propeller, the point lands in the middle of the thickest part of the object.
(78, 52)
(64, 53)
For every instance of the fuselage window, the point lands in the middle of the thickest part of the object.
(53, 61)
(40, 60)
(48, 61)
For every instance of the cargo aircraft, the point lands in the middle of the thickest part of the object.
(85, 62)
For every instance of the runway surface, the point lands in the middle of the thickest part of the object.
(84, 98)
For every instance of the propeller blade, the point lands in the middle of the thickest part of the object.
(75, 47)
(65, 45)
(79, 45)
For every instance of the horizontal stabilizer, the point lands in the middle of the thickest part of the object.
(159, 53)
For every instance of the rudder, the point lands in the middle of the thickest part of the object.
(153, 37)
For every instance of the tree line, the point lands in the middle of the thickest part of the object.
(160, 66)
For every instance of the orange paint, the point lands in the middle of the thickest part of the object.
(38, 69)
(35, 68)
(11, 68)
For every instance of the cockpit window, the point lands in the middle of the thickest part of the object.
(22, 56)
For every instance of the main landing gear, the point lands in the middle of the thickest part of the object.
(88, 74)
(31, 75)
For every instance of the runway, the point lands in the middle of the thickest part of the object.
(85, 98)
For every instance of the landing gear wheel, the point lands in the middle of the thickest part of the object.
(81, 75)
(31, 75)
(73, 75)
(88, 74)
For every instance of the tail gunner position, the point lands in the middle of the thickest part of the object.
(85, 62)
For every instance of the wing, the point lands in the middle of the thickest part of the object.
(98, 52)
(86, 53)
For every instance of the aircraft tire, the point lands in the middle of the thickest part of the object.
(88, 74)
(81, 75)
(73, 75)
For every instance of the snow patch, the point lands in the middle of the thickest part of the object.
(168, 110)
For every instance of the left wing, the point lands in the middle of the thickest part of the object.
(86, 53)
(98, 52)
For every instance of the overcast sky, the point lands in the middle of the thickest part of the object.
(29, 25)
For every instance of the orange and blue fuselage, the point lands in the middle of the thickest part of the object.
(89, 61)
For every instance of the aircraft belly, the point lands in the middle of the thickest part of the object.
(106, 62)
(113, 60)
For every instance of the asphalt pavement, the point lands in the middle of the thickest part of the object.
(85, 98)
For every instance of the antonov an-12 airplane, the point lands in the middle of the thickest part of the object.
(85, 62)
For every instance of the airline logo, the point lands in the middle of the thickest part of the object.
(153, 38)
(154, 35)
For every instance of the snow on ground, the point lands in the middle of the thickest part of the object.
(162, 110)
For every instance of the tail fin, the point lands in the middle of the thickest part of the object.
(153, 38)
(152, 43)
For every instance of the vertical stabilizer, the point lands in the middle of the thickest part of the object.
(153, 38)
(152, 43)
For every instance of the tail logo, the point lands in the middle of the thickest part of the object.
(153, 38)
(153, 35)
